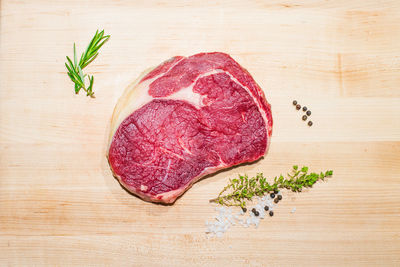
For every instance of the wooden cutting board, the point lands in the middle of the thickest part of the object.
(60, 205)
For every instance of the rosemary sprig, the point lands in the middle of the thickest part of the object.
(240, 190)
(75, 69)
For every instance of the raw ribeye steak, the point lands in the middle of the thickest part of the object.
(184, 119)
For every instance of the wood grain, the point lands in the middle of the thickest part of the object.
(60, 205)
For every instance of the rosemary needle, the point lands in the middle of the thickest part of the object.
(75, 68)
(238, 191)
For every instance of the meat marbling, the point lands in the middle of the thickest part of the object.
(184, 119)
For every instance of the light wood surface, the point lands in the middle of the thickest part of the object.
(60, 205)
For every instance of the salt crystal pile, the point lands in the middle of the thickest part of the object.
(224, 219)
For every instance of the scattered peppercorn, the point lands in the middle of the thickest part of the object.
(256, 213)
(310, 123)
(280, 197)
(304, 117)
(272, 195)
(308, 113)
(298, 107)
(294, 102)
(266, 208)
(244, 209)
(276, 191)
(304, 108)
(271, 213)
(276, 200)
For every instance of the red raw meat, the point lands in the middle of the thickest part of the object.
(188, 117)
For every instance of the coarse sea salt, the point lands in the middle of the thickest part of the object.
(225, 217)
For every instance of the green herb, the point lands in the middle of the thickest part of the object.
(240, 190)
(75, 68)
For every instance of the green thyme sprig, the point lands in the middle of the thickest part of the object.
(243, 189)
(75, 69)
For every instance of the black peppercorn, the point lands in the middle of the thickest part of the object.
(276, 191)
(310, 123)
(304, 117)
(298, 107)
(308, 113)
(294, 102)
(244, 209)
(255, 212)
(271, 213)
(266, 208)
(280, 197)
(272, 195)
(276, 200)
(304, 108)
